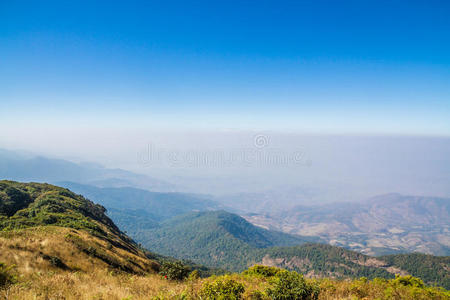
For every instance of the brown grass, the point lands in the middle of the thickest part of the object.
(108, 286)
(88, 276)
(30, 251)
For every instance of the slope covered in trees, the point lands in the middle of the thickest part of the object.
(217, 238)
(225, 240)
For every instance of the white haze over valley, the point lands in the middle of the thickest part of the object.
(294, 168)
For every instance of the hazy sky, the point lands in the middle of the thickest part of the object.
(341, 67)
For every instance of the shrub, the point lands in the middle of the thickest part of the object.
(263, 271)
(359, 288)
(292, 286)
(194, 275)
(6, 276)
(174, 270)
(408, 281)
(222, 289)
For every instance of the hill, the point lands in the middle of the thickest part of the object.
(216, 238)
(42, 225)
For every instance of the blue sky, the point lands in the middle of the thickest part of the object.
(365, 67)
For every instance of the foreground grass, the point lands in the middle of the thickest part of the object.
(104, 284)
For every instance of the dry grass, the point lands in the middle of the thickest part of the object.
(94, 285)
(96, 276)
(31, 250)
(109, 286)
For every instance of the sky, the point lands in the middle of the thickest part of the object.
(322, 67)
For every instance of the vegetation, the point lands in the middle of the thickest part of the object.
(101, 284)
(227, 241)
(215, 238)
(6, 276)
(263, 271)
(292, 285)
(319, 260)
(432, 269)
(174, 270)
(222, 288)
(25, 205)
(83, 255)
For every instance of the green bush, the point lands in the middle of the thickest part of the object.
(223, 288)
(6, 276)
(263, 271)
(194, 275)
(408, 281)
(174, 270)
(291, 285)
(359, 287)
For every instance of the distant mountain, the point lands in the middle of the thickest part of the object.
(136, 210)
(28, 167)
(385, 224)
(274, 200)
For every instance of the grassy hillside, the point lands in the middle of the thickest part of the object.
(33, 204)
(49, 224)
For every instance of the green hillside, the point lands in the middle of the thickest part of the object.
(319, 260)
(34, 204)
(31, 211)
(216, 238)
(225, 240)
(435, 269)
(45, 226)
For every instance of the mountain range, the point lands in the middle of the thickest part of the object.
(24, 166)
(385, 224)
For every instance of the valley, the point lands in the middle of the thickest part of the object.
(57, 243)
(385, 224)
